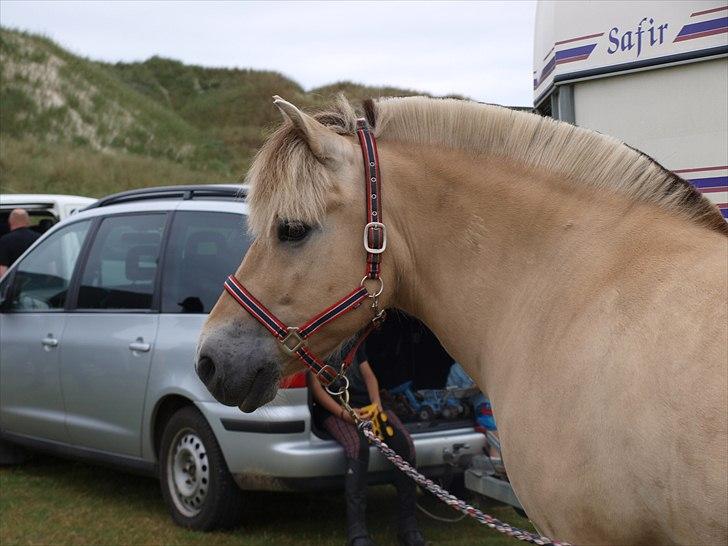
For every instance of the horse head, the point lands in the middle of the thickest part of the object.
(306, 213)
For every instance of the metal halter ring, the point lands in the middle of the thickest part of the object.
(294, 337)
(381, 286)
(342, 390)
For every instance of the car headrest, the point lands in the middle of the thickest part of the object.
(141, 238)
(141, 262)
(205, 244)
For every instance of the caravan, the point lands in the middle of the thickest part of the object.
(652, 74)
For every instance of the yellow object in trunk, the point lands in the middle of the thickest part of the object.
(379, 419)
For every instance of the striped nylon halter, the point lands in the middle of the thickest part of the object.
(293, 339)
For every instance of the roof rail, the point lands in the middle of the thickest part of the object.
(184, 192)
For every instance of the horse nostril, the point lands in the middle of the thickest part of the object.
(205, 369)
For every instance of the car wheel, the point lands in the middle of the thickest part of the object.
(196, 483)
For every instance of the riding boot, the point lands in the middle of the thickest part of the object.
(355, 487)
(408, 534)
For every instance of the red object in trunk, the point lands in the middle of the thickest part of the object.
(294, 381)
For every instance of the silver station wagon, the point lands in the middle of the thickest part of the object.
(99, 321)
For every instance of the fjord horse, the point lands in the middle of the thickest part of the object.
(582, 285)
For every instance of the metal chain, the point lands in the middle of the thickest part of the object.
(445, 496)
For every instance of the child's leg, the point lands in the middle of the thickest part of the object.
(402, 444)
(356, 449)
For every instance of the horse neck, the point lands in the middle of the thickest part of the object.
(486, 249)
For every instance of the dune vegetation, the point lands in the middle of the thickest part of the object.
(73, 125)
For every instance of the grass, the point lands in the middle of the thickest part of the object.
(58, 502)
(30, 166)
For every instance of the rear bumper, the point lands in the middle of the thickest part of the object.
(268, 450)
(268, 483)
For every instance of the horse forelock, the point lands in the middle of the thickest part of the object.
(286, 181)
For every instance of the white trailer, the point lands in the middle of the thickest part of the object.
(654, 74)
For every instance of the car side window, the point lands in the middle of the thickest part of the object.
(203, 249)
(42, 278)
(122, 265)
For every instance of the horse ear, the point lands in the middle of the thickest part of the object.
(324, 143)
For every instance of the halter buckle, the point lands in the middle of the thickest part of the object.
(329, 371)
(375, 225)
(343, 387)
(293, 341)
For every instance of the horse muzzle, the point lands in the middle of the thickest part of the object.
(238, 373)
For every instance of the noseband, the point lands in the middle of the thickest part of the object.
(293, 340)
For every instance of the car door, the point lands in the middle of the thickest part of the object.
(32, 323)
(204, 248)
(110, 334)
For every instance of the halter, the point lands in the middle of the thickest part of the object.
(293, 340)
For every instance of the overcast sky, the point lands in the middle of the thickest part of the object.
(479, 49)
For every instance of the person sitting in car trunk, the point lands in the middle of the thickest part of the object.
(364, 391)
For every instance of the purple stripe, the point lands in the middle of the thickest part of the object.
(574, 52)
(712, 182)
(703, 26)
(547, 69)
(724, 212)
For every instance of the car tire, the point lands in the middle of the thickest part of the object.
(196, 483)
(10, 454)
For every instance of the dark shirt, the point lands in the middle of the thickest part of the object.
(358, 393)
(401, 349)
(13, 244)
(404, 349)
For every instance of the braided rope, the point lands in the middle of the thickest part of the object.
(450, 499)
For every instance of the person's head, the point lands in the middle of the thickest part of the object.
(18, 218)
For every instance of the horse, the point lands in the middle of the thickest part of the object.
(581, 284)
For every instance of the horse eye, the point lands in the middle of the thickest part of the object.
(291, 230)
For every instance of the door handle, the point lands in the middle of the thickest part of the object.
(49, 341)
(139, 346)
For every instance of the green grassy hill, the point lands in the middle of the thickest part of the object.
(73, 125)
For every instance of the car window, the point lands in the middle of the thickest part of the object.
(42, 278)
(122, 265)
(42, 220)
(203, 249)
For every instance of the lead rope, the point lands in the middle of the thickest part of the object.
(445, 496)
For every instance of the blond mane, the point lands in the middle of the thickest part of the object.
(286, 181)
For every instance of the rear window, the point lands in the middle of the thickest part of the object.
(203, 249)
(40, 220)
